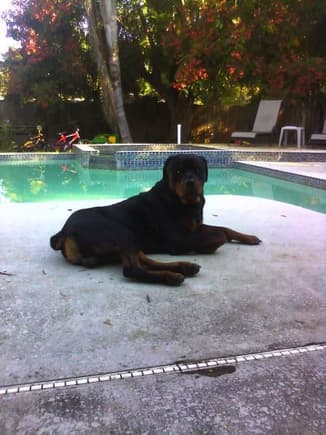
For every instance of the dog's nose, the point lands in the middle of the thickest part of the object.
(190, 180)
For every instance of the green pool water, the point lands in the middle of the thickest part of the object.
(67, 180)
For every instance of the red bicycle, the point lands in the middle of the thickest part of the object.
(66, 141)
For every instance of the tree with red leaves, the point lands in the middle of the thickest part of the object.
(204, 50)
(187, 51)
(53, 63)
(265, 46)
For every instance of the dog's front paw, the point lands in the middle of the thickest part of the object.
(190, 269)
(174, 279)
(252, 240)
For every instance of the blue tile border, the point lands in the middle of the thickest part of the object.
(12, 157)
(148, 156)
(142, 156)
(155, 160)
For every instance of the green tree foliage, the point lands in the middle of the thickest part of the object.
(54, 61)
(180, 50)
(149, 65)
(221, 44)
(204, 50)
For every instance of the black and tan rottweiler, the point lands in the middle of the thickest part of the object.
(166, 219)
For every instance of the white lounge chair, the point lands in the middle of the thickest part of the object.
(319, 138)
(265, 122)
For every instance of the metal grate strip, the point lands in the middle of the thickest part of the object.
(181, 367)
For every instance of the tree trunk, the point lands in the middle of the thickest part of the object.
(109, 15)
(181, 111)
(180, 106)
(105, 48)
(102, 68)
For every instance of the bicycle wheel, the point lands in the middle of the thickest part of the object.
(28, 146)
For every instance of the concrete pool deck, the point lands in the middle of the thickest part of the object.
(60, 321)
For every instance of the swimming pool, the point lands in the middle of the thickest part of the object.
(62, 180)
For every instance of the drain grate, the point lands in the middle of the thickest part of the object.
(180, 367)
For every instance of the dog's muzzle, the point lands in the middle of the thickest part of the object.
(192, 190)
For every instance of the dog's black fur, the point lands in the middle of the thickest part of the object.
(167, 219)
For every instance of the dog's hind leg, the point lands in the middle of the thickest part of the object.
(71, 251)
(185, 267)
(135, 269)
(56, 241)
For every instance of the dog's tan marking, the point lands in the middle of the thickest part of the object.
(71, 251)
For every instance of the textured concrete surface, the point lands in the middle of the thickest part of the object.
(58, 321)
(285, 396)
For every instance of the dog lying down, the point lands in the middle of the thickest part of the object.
(166, 219)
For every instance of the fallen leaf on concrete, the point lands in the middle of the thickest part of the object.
(7, 274)
(212, 372)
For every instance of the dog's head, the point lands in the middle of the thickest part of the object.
(186, 175)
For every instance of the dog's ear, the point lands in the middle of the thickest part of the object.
(165, 167)
(205, 167)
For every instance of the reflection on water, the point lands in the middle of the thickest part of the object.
(238, 182)
(67, 180)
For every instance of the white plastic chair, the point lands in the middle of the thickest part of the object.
(319, 138)
(265, 122)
